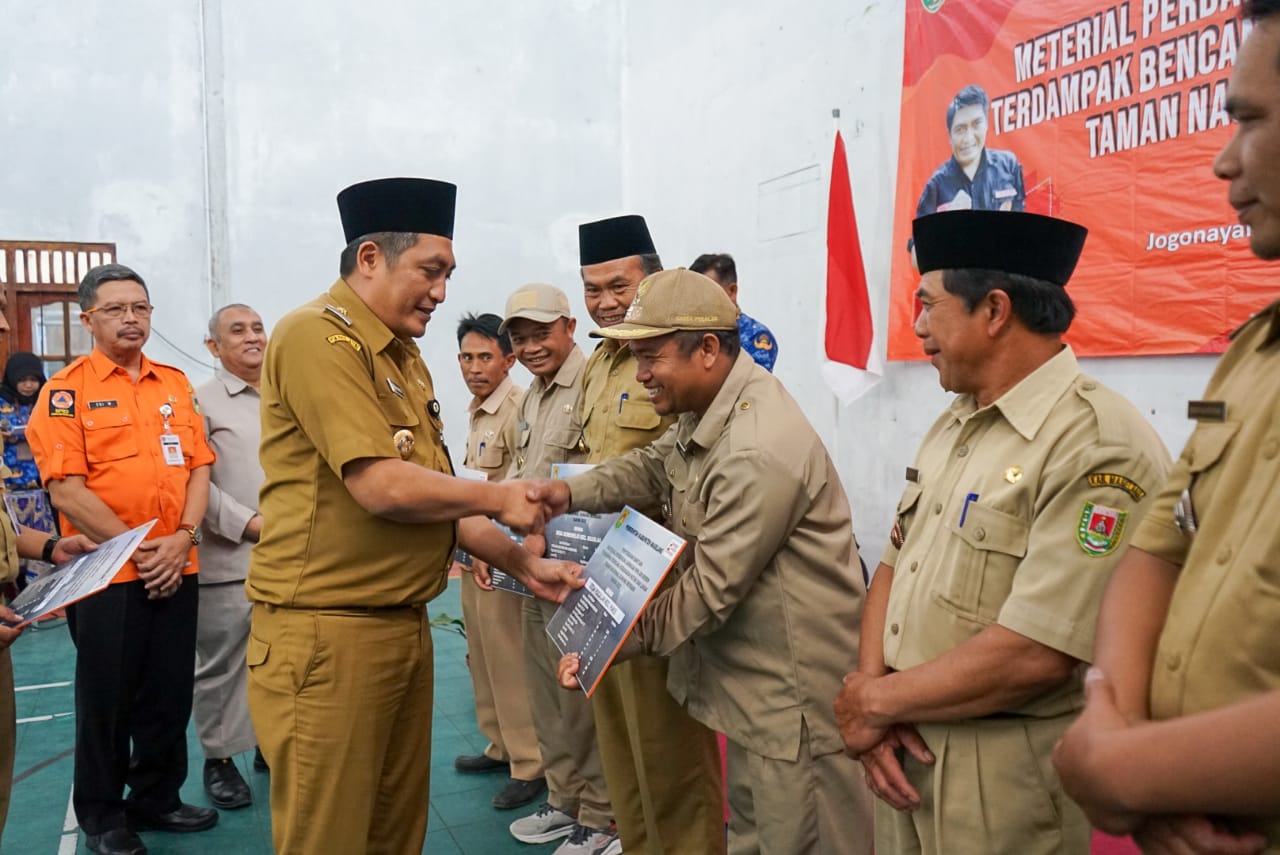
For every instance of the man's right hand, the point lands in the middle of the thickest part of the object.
(884, 773)
(554, 494)
(519, 512)
(1193, 835)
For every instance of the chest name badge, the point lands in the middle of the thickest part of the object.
(102, 405)
(1207, 411)
(171, 449)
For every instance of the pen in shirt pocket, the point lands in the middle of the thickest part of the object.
(968, 500)
(622, 399)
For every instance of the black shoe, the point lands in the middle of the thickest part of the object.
(260, 762)
(117, 841)
(519, 793)
(185, 818)
(478, 763)
(224, 786)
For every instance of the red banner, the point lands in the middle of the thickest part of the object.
(1107, 114)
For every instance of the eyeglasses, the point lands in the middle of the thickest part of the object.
(116, 311)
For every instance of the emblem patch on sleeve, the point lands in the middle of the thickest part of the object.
(62, 403)
(337, 337)
(1100, 528)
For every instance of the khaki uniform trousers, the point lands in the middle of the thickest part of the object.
(8, 734)
(662, 767)
(221, 702)
(814, 806)
(565, 725)
(992, 790)
(341, 701)
(495, 653)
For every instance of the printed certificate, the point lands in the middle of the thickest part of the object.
(575, 536)
(621, 577)
(80, 577)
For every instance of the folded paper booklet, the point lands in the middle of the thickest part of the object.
(575, 536)
(622, 576)
(78, 578)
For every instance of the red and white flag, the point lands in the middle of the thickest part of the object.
(852, 365)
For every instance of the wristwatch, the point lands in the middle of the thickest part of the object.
(46, 554)
(194, 532)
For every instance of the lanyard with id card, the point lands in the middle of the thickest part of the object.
(170, 443)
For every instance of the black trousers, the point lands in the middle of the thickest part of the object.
(135, 669)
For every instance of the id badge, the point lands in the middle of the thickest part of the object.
(171, 448)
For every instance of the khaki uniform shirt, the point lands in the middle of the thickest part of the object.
(547, 429)
(234, 425)
(761, 622)
(1015, 514)
(491, 419)
(338, 386)
(616, 413)
(1219, 643)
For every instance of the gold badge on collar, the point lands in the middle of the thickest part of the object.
(1013, 474)
(404, 443)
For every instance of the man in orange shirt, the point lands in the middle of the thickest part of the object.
(119, 441)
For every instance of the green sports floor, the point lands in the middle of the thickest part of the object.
(462, 820)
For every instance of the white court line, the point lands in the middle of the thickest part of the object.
(44, 717)
(70, 830)
(42, 686)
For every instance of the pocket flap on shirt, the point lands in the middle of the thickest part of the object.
(995, 531)
(256, 652)
(1207, 444)
(910, 496)
(638, 415)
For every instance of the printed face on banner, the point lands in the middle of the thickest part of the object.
(1109, 114)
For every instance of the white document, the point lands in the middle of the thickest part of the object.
(80, 577)
(575, 536)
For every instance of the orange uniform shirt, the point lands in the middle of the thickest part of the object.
(92, 419)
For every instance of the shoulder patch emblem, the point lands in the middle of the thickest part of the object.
(1100, 528)
(763, 342)
(1120, 482)
(337, 337)
(62, 403)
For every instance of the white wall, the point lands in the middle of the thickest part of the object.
(208, 139)
(729, 138)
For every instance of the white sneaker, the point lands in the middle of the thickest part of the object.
(543, 825)
(591, 841)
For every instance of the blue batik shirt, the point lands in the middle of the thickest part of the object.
(757, 341)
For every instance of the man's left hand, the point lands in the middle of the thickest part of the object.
(859, 729)
(71, 546)
(161, 562)
(552, 580)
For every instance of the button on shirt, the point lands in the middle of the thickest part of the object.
(234, 427)
(491, 419)
(757, 340)
(1017, 515)
(92, 419)
(547, 429)
(1219, 643)
(761, 619)
(339, 386)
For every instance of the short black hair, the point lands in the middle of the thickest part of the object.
(392, 244)
(650, 263)
(687, 341)
(720, 263)
(485, 325)
(967, 97)
(87, 293)
(1041, 306)
(1256, 10)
